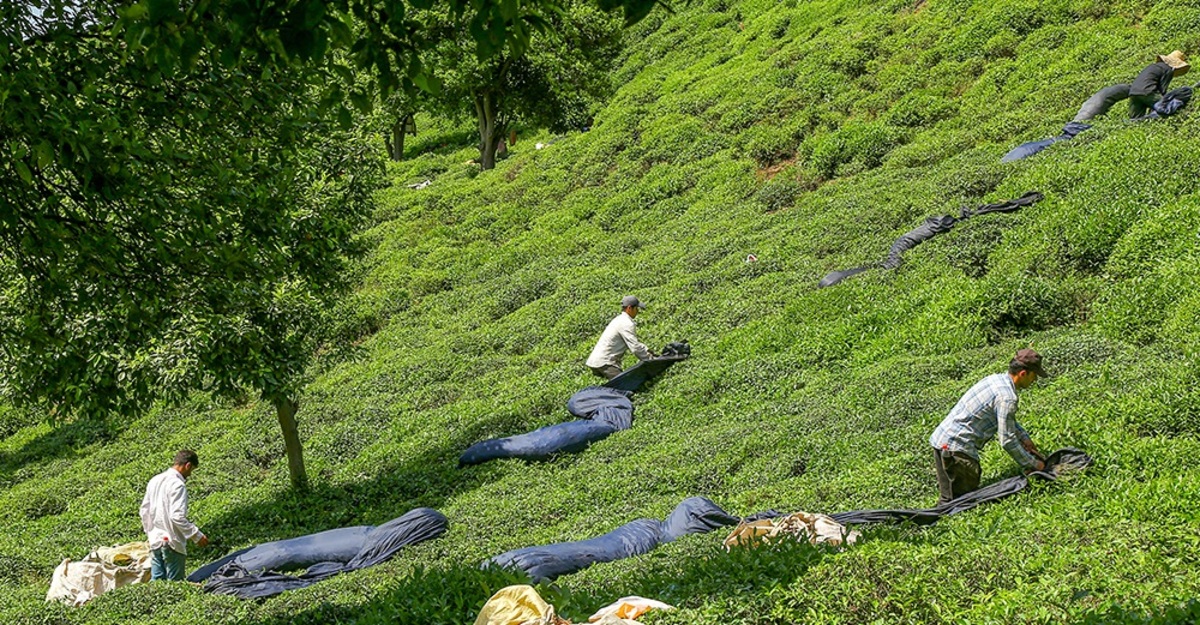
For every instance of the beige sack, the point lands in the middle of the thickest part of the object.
(816, 529)
(77, 582)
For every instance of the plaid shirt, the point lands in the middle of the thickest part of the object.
(989, 407)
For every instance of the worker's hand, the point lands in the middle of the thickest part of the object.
(1031, 448)
(1039, 465)
(203, 542)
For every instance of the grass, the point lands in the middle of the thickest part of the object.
(810, 134)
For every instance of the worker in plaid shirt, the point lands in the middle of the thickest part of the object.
(988, 409)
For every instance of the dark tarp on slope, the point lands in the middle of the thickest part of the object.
(698, 515)
(379, 544)
(1062, 460)
(600, 412)
(1101, 102)
(634, 377)
(1026, 150)
(695, 515)
(1169, 105)
(295, 553)
(927, 230)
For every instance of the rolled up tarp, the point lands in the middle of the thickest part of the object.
(1101, 102)
(239, 574)
(694, 515)
(599, 412)
(1169, 105)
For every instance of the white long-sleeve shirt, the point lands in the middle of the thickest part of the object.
(616, 339)
(164, 512)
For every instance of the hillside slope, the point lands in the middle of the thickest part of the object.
(811, 135)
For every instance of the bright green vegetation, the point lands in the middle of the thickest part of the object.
(811, 135)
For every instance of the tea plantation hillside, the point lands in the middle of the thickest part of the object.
(809, 135)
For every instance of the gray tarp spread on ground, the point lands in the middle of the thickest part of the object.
(927, 230)
(698, 515)
(695, 515)
(242, 574)
(1057, 463)
(1026, 150)
(1101, 102)
(600, 411)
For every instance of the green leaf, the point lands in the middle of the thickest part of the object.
(314, 13)
(23, 172)
(427, 82)
(163, 10)
(135, 11)
(340, 31)
(508, 9)
(44, 154)
(361, 101)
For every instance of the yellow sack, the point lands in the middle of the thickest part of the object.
(518, 605)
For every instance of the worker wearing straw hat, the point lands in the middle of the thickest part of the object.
(1152, 83)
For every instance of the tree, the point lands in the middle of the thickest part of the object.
(166, 231)
(553, 82)
(176, 212)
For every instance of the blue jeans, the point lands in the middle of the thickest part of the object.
(166, 563)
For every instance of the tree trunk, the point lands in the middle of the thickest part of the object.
(286, 409)
(489, 130)
(396, 143)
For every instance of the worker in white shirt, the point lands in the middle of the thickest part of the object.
(618, 338)
(164, 518)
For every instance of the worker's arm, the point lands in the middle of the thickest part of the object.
(144, 512)
(1009, 433)
(179, 507)
(637, 347)
(1027, 443)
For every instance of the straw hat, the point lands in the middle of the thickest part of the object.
(1177, 60)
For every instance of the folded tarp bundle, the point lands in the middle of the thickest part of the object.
(1169, 105)
(252, 573)
(695, 515)
(1057, 463)
(932, 227)
(600, 411)
(1026, 150)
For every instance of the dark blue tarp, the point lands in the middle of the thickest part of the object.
(634, 377)
(600, 412)
(295, 553)
(1026, 150)
(695, 515)
(1056, 463)
(931, 227)
(324, 554)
